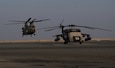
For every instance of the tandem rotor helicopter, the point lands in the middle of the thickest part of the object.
(29, 27)
(72, 34)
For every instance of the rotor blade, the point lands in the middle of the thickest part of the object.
(101, 29)
(21, 21)
(51, 29)
(17, 21)
(14, 23)
(32, 21)
(92, 28)
(62, 22)
(28, 20)
(42, 20)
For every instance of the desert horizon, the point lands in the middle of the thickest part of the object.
(52, 40)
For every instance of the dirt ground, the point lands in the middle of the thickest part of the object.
(94, 54)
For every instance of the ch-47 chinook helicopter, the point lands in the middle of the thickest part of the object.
(72, 34)
(29, 27)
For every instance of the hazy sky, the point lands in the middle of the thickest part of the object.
(95, 13)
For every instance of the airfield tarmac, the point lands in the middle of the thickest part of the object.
(93, 54)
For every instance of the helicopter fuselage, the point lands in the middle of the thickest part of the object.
(28, 29)
(73, 35)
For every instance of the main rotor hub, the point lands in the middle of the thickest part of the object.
(72, 30)
(72, 25)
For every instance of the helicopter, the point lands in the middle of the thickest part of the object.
(72, 34)
(29, 27)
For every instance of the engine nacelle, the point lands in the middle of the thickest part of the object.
(88, 38)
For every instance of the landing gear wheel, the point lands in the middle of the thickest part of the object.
(65, 42)
(80, 42)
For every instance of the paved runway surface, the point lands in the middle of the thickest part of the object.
(93, 54)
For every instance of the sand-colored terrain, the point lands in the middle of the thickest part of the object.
(92, 54)
(19, 41)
